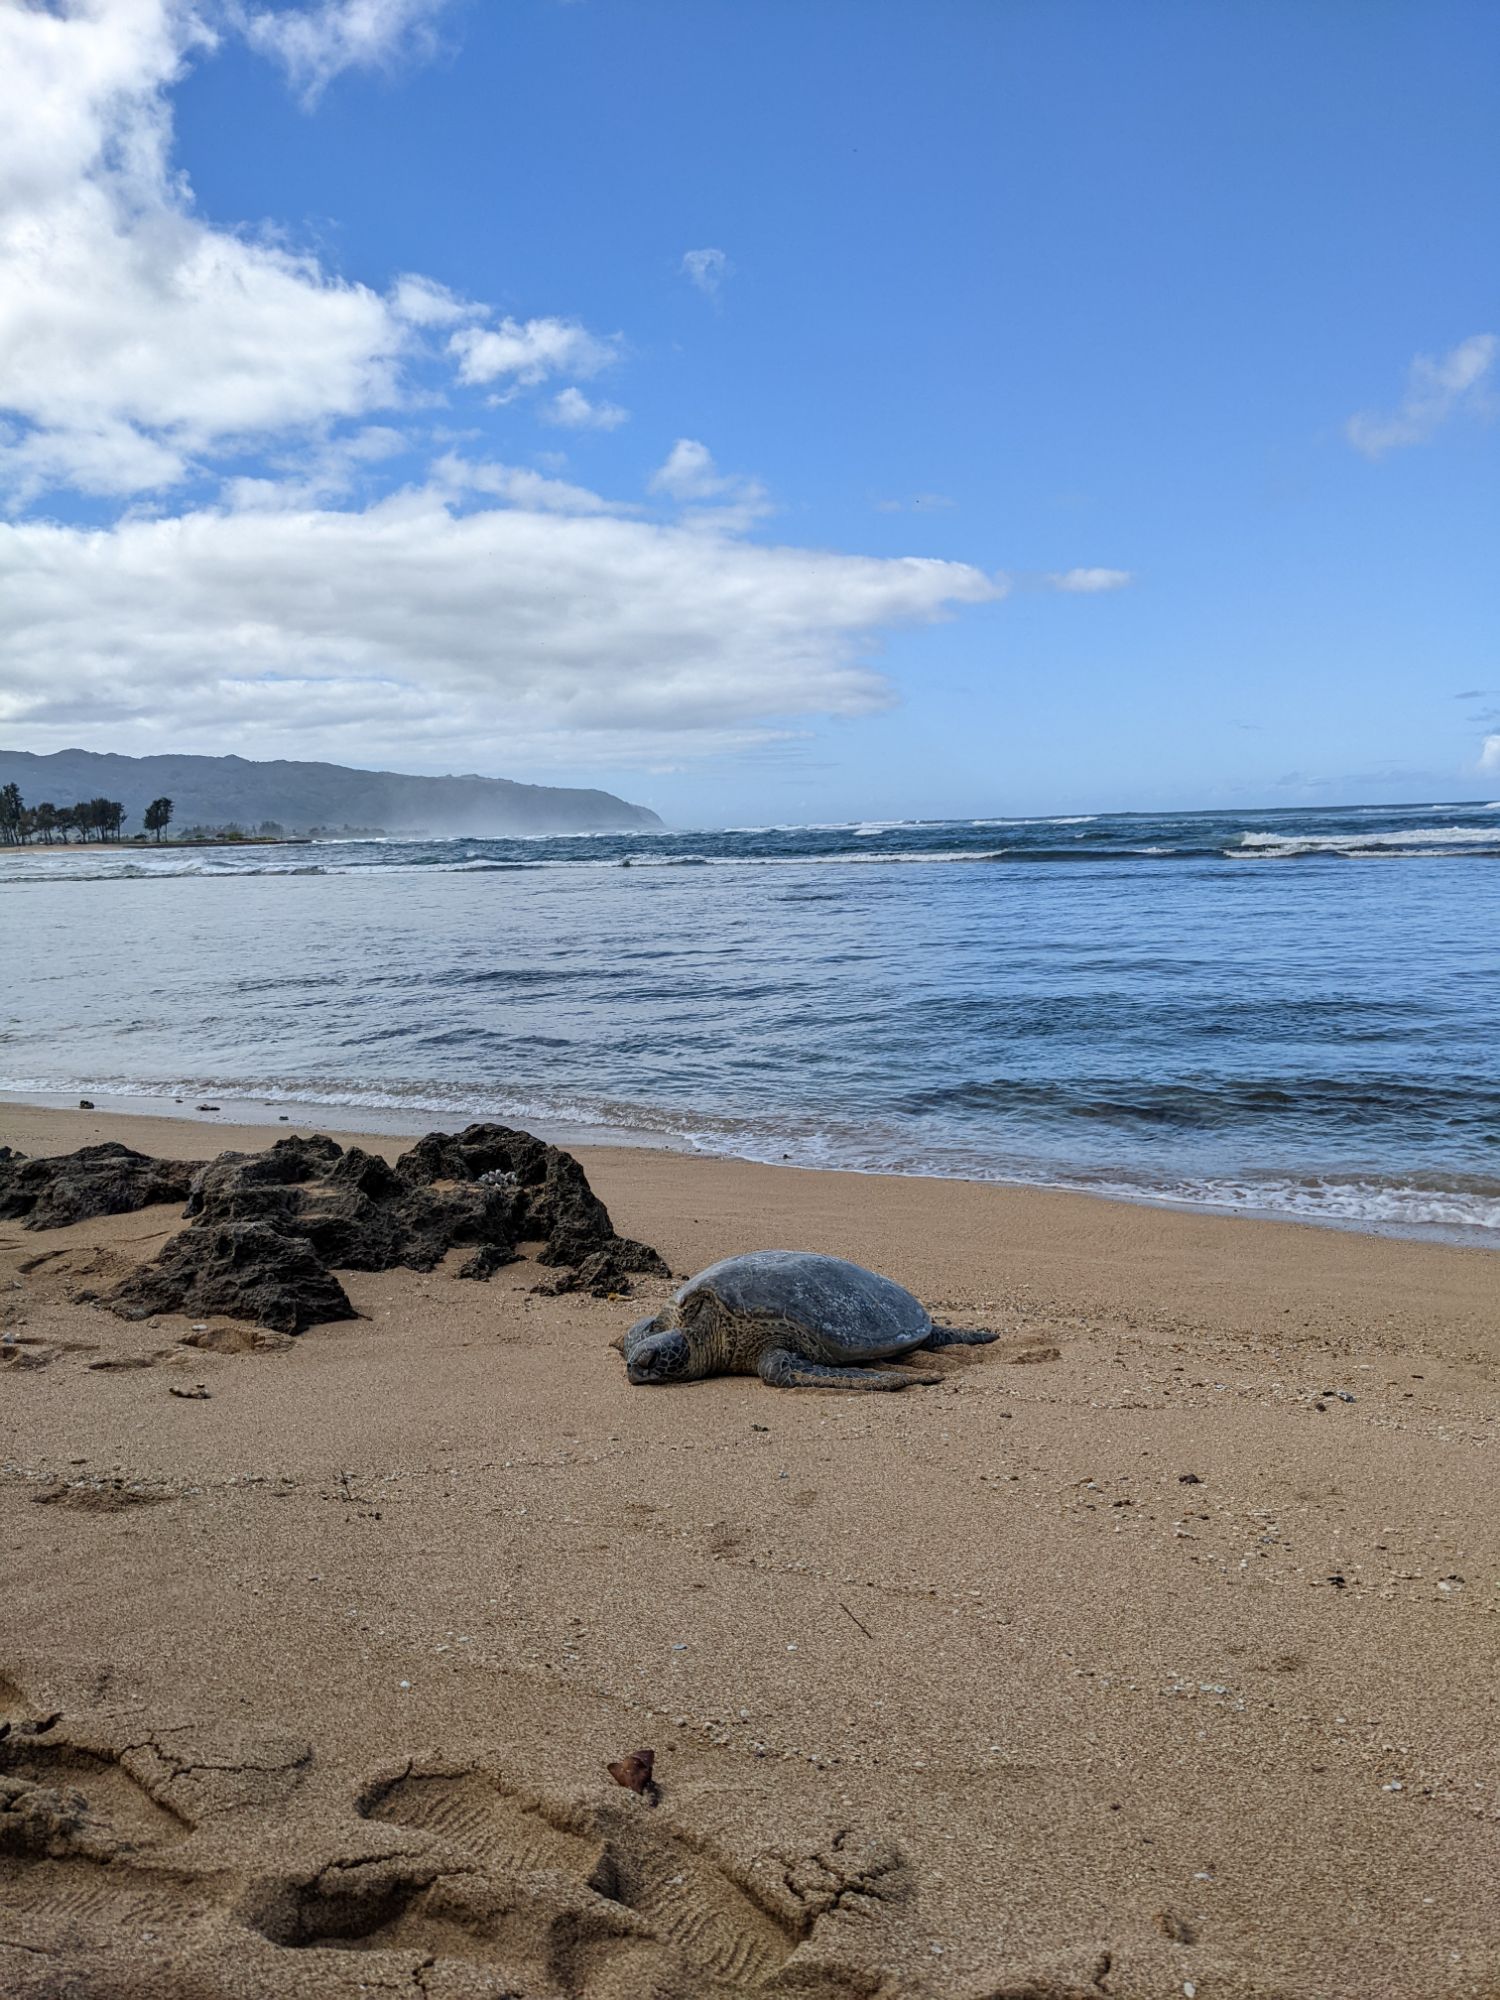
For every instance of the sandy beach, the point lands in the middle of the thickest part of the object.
(1151, 1653)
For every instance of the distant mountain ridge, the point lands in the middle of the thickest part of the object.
(234, 791)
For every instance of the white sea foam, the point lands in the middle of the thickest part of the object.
(1423, 839)
(1470, 1211)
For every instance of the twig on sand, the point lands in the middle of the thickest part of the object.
(858, 1621)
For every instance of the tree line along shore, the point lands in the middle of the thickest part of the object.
(103, 820)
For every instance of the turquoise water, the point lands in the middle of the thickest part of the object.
(1296, 1012)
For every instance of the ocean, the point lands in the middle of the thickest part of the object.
(1292, 1012)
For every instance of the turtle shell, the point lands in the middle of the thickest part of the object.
(838, 1303)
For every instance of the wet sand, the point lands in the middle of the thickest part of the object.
(1152, 1653)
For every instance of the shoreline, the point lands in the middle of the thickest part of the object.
(1057, 1225)
(1108, 1646)
(385, 1121)
(134, 846)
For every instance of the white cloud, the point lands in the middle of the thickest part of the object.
(1489, 754)
(707, 269)
(505, 637)
(529, 351)
(423, 302)
(572, 409)
(712, 499)
(135, 339)
(1437, 388)
(493, 616)
(328, 473)
(109, 461)
(316, 44)
(1088, 581)
(132, 335)
(519, 486)
(689, 472)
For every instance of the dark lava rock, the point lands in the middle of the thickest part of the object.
(98, 1180)
(488, 1188)
(246, 1270)
(550, 1202)
(281, 1165)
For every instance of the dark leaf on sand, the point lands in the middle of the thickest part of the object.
(634, 1773)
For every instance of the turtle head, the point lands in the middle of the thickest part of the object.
(654, 1353)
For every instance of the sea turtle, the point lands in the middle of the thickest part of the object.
(797, 1320)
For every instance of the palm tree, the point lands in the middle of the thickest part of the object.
(158, 813)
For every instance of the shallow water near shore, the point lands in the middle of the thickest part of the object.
(1292, 1012)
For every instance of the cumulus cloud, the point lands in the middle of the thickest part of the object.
(689, 472)
(507, 636)
(1437, 387)
(423, 302)
(528, 352)
(519, 486)
(132, 335)
(571, 408)
(316, 44)
(489, 614)
(710, 498)
(1088, 580)
(1489, 754)
(707, 269)
(108, 460)
(135, 338)
(332, 471)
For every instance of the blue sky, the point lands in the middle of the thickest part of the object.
(558, 390)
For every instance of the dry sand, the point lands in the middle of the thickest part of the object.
(1152, 1653)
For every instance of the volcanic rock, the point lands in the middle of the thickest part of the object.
(488, 1186)
(109, 1179)
(267, 1229)
(282, 1165)
(246, 1270)
(550, 1201)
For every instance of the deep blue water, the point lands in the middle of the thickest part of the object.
(1297, 1011)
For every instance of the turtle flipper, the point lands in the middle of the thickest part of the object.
(957, 1336)
(781, 1369)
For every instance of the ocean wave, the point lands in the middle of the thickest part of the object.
(1468, 1207)
(1408, 840)
(1135, 839)
(1224, 1102)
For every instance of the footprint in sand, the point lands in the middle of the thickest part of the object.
(78, 1834)
(30, 1350)
(458, 1874)
(618, 1852)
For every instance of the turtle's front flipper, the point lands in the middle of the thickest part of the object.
(958, 1336)
(782, 1369)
